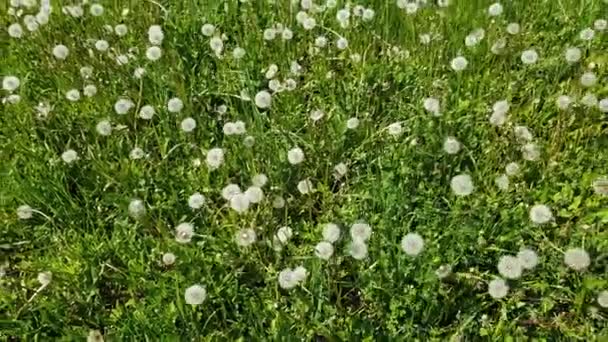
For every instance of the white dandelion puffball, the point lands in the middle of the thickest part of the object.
(498, 119)
(137, 208)
(395, 129)
(155, 35)
(527, 258)
(287, 34)
(96, 10)
(360, 232)
(603, 105)
(343, 15)
(196, 200)
(459, 63)
(10, 83)
(230, 191)
(321, 42)
(104, 127)
(531, 152)
(602, 299)
(94, 336)
(587, 34)
(69, 156)
(121, 30)
(340, 170)
(216, 44)
(188, 125)
(341, 43)
(309, 23)
(72, 95)
(502, 182)
(358, 250)
(184, 232)
(588, 79)
(577, 259)
(89, 90)
(540, 214)
(136, 153)
(324, 250)
(295, 156)
(254, 194)
(316, 115)
(495, 9)
(215, 158)
(271, 72)
(509, 267)
(245, 237)
(195, 295)
(425, 38)
(287, 279)
(462, 185)
(122, 106)
(331, 232)
(102, 45)
(61, 51)
(44, 278)
(412, 244)
(238, 52)
(259, 180)
(573, 55)
(154, 53)
(498, 288)
(139, 73)
(513, 28)
(529, 56)
(563, 102)
(368, 14)
(175, 105)
(522, 133)
(432, 106)
(168, 259)
(146, 112)
(24, 212)
(352, 123)
(589, 100)
(305, 186)
(600, 24)
(15, 30)
(269, 34)
(451, 145)
(263, 99)
(239, 203)
(13, 98)
(208, 30)
(284, 234)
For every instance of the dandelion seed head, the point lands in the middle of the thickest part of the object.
(358, 250)
(563, 102)
(122, 106)
(146, 112)
(255, 194)
(184, 232)
(121, 30)
(154, 53)
(498, 288)
(522, 133)
(600, 24)
(104, 127)
(602, 299)
(208, 30)
(432, 106)
(459, 63)
(10, 83)
(577, 259)
(531, 152)
(509, 267)
(395, 129)
(284, 234)
(61, 51)
(69, 156)
(263, 99)
(495, 9)
(331, 232)
(295, 156)
(175, 105)
(529, 56)
(195, 295)
(240, 203)
(89, 90)
(245, 237)
(136, 153)
(513, 28)
(502, 182)
(462, 185)
(45, 278)
(412, 244)
(287, 279)
(352, 123)
(188, 125)
(305, 186)
(96, 10)
(588, 79)
(589, 100)
(168, 259)
(360, 231)
(341, 43)
(196, 200)
(25, 212)
(324, 250)
(15, 30)
(451, 145)
(573, 55)
(137, 208)
(230, 191)
(587, 34)
(278, 202)
(603, 105)
(540, 214)
(527, 258)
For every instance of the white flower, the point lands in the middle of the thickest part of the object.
(230, 191)
(340, 170)
(184, 232)
(239, 203)
(563, 102)
(412, 244)
(459, 63)
(341, 43)
(287, 34)
(102, 45)
(263, 99)
(305, 186)
(522, 133)
(278, 202)
(577, 259)
(120, 30)
(587, 34)
(527, 258)
(502, 182)
(15, 30)
(104, 127)
(254, 194)
(287, 279)
(395, 129)
(451, 145)
(139, 73)
(188, 125)
(44, 278)
(168, 259)
(155, 35)
(462, 185)
(215, 158)
(284, 234)
(245, 237)
(146, 112)
(196, 200)
(531, 152)
(358, 249)
(603, 105)
(238, 52)
(529, 56)
(295, 156)
(513, 28)
(95, 336)
(589, 100)
(600, 24)
(195, 295)
(602, 299)
(443, 271)
(324, 250)
(154, 53)
(24, 212)
(343, 15)
(331, 232)
(499, 114)
(509, 267)
(60, 51)
(540, 214)
(352, 123)
(360, 232)
(96, 10)
(475, 37)
(208, 30)
(425, 38)
(122, 106)
(309, 23)
(175, 105)
(216, 44)
(69, 156)
(495, 9)
(573, 55)
(10, 83)
(498, 288)
(588, 79)
(89, 90)
(137, 208)
(72, 95)
(432, 106)
(269, 34)
(317, 115)
(368, 14)
(136, 153)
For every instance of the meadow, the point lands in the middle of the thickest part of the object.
(314, 170)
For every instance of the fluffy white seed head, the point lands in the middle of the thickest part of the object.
(230, 191)
(263, 99)
(540, 214)
(522, 134)
(602, 299)
(196, 200)
(168, 259)
(96, 10)
(89, 90)
(451, 145)
(295, 156)
(563, 102)
(10, 83)
(45, 278)
(284, 234)
(603, 105)
(513, 28)
(395, 129)
(195, 295)
(24, 212)
(217, 45)
(509, 267)
(527, 258)
(573, 55)
(531, 152)
(412, 244)
(360, 232)
(155, 35)
(502, 182)
(324, 250)
(136, 153)
(600, 24)
(175, 105)
(15, 30)
(72, 95)
(495, 9)
(121, 30)
(358, 249)
(104, 127)
(245, 237)
(184, 232)
(577, 259)
(254, 194)
(102, 45)
(432, 105)
(331, 232)
(587, 34)
(146, 112)
(529, 56)
(69, 156)
(240, 203)
(137, 208)
(208, 30)
(462, 185)
(498, 288)
(459, 63)
(188, 125)
(122, 106)
(287, 279)
(61, 51)
(305, 186)
(588, 79)
(154, 53)
(352, 123)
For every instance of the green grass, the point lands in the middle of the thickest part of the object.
(107, 272)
